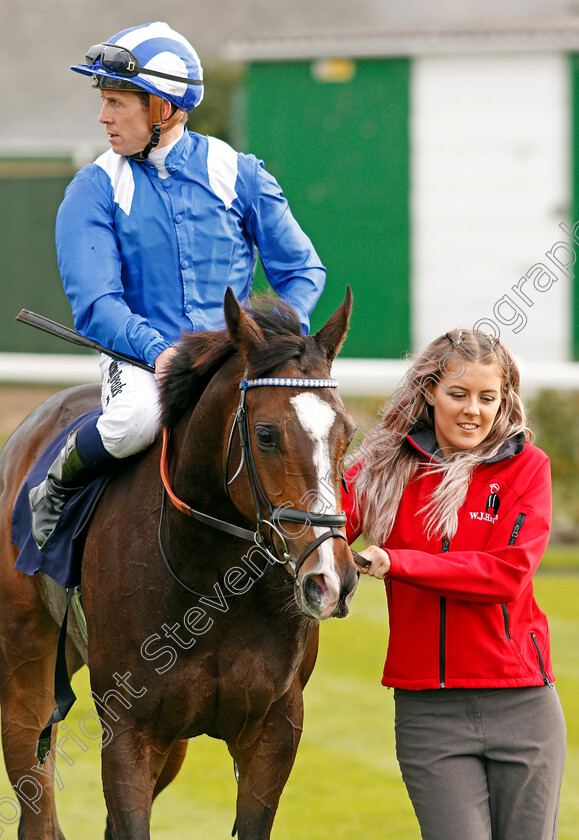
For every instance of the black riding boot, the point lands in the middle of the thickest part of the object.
(67, 474)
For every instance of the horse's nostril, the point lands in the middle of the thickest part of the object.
(350, 582)
(313, 590)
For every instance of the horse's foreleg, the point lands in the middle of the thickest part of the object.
(265, 765)
(173, 763)
(131, 766)
(172, 766)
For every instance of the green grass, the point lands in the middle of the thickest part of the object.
(561, 557)
(346, 781)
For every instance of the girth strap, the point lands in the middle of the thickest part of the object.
(63, 693)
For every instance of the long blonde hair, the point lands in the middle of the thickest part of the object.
(387, 462)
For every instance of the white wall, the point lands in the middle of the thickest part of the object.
(490, 186)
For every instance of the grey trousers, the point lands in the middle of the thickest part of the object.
(482, 764)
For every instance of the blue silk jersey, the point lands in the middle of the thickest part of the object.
(143, 259)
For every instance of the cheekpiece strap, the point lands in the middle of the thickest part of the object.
(287, 382)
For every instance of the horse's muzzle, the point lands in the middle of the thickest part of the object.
(326, 593)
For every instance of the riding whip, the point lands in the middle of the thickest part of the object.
(60, 331)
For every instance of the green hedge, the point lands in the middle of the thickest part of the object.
(554, 417)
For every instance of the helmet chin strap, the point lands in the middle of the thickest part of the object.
(157, 125)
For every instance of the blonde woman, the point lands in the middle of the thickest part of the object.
(456, 503)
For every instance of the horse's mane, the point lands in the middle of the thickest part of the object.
(200, 355)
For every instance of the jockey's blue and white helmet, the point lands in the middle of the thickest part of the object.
(175, 72)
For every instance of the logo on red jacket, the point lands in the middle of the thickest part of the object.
(490, 513)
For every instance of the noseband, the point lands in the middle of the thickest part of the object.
(267, 516)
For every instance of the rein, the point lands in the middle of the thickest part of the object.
(272, 516)
(220, 524)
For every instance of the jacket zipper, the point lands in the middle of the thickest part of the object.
(517, 527)
(442, 641)
(519, 522)
(546, 679)
(506, 620)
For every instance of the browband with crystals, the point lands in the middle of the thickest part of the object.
(291, 383)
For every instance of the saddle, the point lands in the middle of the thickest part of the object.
(62, 555)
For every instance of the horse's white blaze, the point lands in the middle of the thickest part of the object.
(317, 418)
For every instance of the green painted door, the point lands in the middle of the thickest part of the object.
(29, 277)
(340, 150)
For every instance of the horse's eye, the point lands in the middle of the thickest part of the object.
(266, 436)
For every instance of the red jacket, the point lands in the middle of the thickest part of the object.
(463, 614)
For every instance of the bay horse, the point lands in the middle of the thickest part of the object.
(193, 627)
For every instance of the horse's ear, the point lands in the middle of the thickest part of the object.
(332, 335)
(243, 331)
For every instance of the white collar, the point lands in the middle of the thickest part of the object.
(158, 157)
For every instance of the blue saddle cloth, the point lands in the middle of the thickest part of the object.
(62, 555)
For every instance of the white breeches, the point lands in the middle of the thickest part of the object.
(131, 411)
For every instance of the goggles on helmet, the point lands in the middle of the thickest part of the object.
(110, 82)
(123, 62)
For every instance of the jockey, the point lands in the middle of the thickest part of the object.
(148, 238)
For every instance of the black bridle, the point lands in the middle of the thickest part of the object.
(267, 516)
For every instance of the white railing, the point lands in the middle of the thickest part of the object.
(357, 377)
